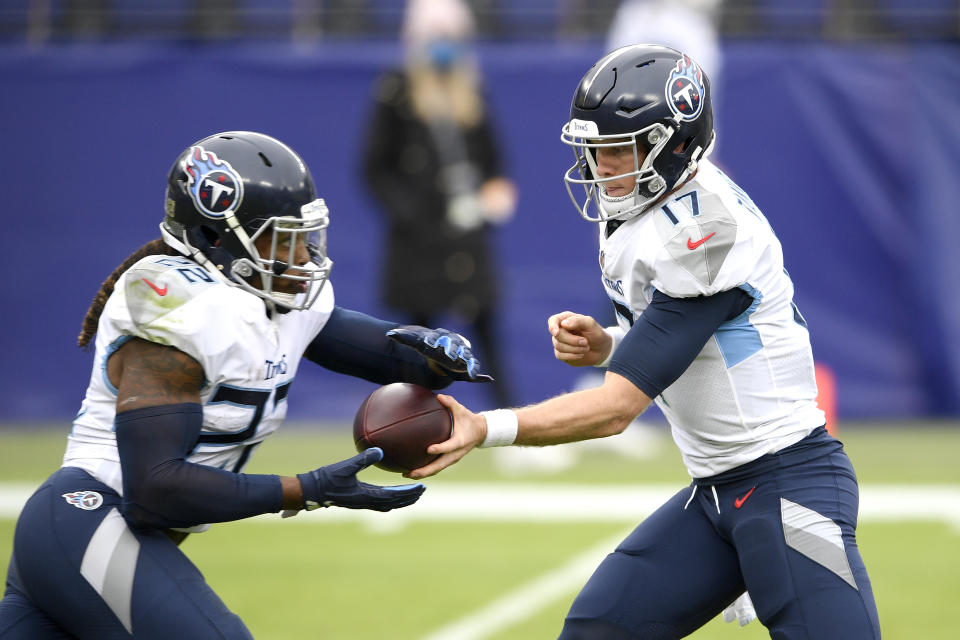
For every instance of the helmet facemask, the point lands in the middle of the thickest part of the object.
(277, 265)
(585, 139)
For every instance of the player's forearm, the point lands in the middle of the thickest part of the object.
(162, 489)
(567, 418)
(356, 344)
(582, 415)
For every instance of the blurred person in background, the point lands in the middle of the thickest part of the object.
(685, 25)
(433, 165)
(691, 26)
(84, 19)
(708, 328)
(215, 19)
(198, 337)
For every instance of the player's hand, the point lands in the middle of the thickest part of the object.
(336, 485)
(448, 351)
(469, 430)
(578, 340)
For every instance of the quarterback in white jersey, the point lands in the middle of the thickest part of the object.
(707, 327)
(705, 238)
(199, 336)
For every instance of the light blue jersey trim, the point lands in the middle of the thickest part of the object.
(80, 414)
(737, 338)
(116, 344)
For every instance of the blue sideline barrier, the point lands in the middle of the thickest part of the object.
(852, 152)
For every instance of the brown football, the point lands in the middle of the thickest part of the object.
(403, 419)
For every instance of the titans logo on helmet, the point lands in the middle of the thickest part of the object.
(86, 500)
(685, 90)
(215, 187)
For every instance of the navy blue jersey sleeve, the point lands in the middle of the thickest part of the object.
(356, 344)
(669, 334)
(162, 489)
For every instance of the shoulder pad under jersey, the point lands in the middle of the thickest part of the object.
(697, 246)
(158, 285)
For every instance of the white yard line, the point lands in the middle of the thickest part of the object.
(563, 503)
(528, 599)
(12, 497)
(877, 503)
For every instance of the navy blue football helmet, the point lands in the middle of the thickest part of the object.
(226, 191)
(651, 99)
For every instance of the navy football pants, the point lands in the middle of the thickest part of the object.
(78, 571)
(781, 527)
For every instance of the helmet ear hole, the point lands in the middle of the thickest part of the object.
(681, 148)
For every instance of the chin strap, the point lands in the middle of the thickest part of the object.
(695, 158)
(216, 257)
(199, 253)
(220, 262)
(615, 208)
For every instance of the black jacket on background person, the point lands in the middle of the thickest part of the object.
(430, 265)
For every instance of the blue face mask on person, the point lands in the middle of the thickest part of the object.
(444, 54)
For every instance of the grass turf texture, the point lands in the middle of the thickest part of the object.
(348, 580)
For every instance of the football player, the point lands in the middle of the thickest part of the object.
(708, 329)
(199, 337)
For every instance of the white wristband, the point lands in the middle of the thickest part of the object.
(616, 335)
(501, 428)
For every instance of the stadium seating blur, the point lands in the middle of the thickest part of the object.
(497, 19)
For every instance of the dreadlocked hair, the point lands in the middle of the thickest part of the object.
(92, 319)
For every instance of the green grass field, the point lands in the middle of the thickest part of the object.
(320, 576)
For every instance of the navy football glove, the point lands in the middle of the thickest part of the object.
(448, 350)
(336, 485)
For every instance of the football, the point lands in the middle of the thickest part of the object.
(403, 419)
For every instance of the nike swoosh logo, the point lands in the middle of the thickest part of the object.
(693, 245)
(739, 501)
(160, 292)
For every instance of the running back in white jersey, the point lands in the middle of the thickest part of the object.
(751, 390)
(249, 360)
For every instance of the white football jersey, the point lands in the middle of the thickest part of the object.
(248, 358)
(751, 390)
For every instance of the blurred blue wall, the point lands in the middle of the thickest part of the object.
(852, 152)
